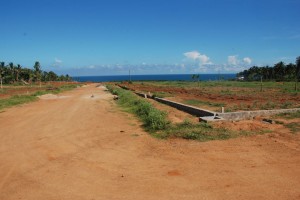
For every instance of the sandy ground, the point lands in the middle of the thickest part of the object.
(83, 148)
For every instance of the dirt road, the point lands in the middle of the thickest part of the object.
(81, 148)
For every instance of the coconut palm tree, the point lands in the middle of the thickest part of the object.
(12, 71)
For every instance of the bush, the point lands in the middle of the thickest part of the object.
(155, 120)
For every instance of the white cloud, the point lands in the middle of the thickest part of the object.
(91, 67)
(247, 60)
(197, 56)
(233, 60)
(57, 62)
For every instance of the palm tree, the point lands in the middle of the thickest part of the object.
(12, 71)
(196, 77)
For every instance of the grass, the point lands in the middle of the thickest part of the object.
(202, 132)
(195, 131)
(16, 100)
(21, 99)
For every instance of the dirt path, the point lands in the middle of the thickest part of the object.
(81, 148)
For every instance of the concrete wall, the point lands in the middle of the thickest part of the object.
(186, 108)
(250, 114)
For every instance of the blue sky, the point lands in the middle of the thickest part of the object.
(109, 37)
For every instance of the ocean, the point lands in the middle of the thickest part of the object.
(158, 77)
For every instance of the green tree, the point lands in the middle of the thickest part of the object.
(2, 71)
(279, 70)
(52, 76)
(38, 72)
(17, 72)
(68, 78)
(297, 75)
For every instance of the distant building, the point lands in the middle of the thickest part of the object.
(240, 78)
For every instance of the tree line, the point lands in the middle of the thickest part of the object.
(279, 72)
(11, 73)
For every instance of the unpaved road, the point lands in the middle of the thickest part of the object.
(81, 148)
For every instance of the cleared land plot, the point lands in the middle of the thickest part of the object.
(233, 95)
(84, 148)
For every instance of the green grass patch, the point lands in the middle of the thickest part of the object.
(16, 100)
(200, 131)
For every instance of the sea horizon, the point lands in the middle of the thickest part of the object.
(153, 77)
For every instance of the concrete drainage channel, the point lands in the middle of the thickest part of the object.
(207, 115)
(204, 115)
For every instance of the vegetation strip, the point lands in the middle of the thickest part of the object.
(152, 118)
(155, 121)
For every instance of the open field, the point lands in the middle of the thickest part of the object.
(75, 146)
(12, 95)
(233, 95)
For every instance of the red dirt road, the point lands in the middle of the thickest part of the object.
(81, 148)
